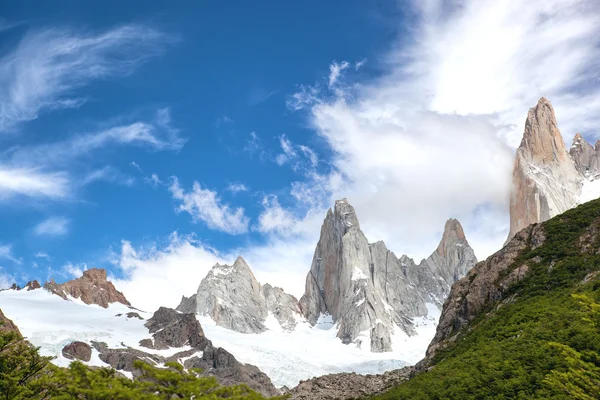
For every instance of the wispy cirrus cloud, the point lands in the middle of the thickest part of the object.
(205, 205)
(53, 226)
(33, 182)
(46, 66)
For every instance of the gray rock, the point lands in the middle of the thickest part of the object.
(585, 156)
(367, 289)
(234, 299)
(170, 328)
(283, 306)
(77, 351)
(187, 304)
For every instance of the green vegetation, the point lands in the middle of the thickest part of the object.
(24, 374)
(542, 344)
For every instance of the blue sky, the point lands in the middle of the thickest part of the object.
(148, 137)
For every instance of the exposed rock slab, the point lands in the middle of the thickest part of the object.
(585, 156)
(91, 288)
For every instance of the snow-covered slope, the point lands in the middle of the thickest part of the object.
(50, 322)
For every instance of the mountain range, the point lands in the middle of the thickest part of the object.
(364, 309)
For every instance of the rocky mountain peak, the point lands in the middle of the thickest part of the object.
(365, 288)
(91, 288)
(234, 299)
(345, 214)
(585, 156)
(542, 141)
(453, 235)
(546, 181)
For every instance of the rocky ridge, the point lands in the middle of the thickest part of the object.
(234, 299)
(367, 290)
(92, 288)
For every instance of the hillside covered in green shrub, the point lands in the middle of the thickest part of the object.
(541, 340)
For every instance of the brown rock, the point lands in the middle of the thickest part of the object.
(32, 285)
(6, 325)
(170, 328)
(91, 288)
(545, 180)
(77, 351)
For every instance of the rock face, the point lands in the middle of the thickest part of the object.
(347, 385)
(485, 283)
(77, 351)
(91, 288)
(546, 181)
(234, 299)
(172, 329)
(585, 157)
(367, 290)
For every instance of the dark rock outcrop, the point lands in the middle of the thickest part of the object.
(221, 364)
(77, 351)
(91, 288)
(170, 328)
(347, 385)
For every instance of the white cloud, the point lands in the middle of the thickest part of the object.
(7, 254)
(237, 187)
(335, 69)
(53, 226)
(153, 180)
(6, 279)
(136, 166)
(74, 270)
(359, 64)
(288, 151)
(253, 143)
(223, 120)
(433, 136)
(32, 182)
(157, 134)
(41, 254)
(206, 206)
(165, 273)
(108, 174)
(43, 71)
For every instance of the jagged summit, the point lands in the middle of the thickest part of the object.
(367, 290)
(545, 179)
(585, 156)
(234, 299)
(92, 288)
